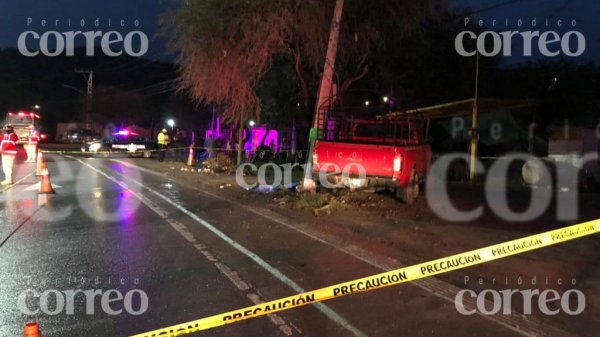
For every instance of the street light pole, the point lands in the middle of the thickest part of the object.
(475, 125)
(89, 77)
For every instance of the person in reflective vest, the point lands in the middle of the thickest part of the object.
(8, 149)
(163, 141)
(32, 143)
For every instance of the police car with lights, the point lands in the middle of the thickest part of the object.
(122, 142)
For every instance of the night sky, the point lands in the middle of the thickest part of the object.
(14, 14)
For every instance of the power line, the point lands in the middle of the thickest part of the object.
(171, 81)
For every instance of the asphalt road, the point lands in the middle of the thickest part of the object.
(113, 228)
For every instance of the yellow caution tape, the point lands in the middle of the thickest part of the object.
(386, 279)
(139, 151)
(298, 156)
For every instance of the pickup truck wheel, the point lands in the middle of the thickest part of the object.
(411, 192)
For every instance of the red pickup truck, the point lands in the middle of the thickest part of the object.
(391, 153)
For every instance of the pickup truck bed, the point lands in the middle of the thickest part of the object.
(399, 164)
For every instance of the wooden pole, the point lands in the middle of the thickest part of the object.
(325, 87)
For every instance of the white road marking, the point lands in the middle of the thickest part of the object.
(332, 315)
(276, 319)
(200, 246)
(36, 186)
(233, 276)
(8, 187)
(207, 254)
(182, 229)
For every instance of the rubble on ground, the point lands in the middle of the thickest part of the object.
(325, 209)
(220, 163)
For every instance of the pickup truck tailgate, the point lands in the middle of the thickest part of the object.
(378, 160)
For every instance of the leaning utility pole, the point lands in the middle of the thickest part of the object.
(89, 77)
(325, 88)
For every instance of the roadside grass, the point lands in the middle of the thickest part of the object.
(311, 201)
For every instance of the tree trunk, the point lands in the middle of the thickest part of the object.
(240, 144)
(293, 144)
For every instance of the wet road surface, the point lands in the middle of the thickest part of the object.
(114, 229)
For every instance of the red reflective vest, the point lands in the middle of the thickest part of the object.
(34, 137)
(9, 144)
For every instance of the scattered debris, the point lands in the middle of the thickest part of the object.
(325, 209)
(220, 163)
(266, 189)
(293, 187)
(308, 185)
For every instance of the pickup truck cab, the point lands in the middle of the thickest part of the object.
(391, 154)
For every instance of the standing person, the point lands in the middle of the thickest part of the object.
(218, 144)
(229, 150)
(32, 143)
(178, 143)
(8, 148)
(284, 150)
(199, 153)
(163, 141)
(209, 146)
(186, 142)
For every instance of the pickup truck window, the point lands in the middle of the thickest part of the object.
(402, 132)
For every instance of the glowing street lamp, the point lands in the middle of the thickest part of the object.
(37, 107)
(367, 103)
(251, 123)
(171, 123)
(385, 99)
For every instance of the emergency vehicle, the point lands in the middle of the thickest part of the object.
(21, 121)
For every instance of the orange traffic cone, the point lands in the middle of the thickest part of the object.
(32, 330)
(40, 160)
(46, 185)
(190, 161)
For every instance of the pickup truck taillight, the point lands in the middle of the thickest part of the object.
(315, 156)
(397, 163)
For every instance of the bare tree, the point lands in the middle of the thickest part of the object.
(224, 47)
